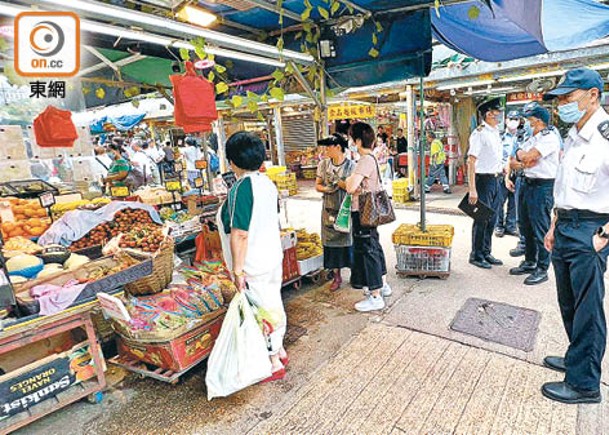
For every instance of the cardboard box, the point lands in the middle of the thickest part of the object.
(179, 353)
(290, 264)
(288, 239)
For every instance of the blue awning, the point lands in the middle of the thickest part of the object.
(520, 28)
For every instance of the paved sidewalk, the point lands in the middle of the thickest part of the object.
(392, 380)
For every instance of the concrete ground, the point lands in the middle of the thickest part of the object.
(401, 370)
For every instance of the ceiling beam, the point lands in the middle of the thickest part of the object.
(263, 4)
(356, 7)
(114, 65)
(426, 5)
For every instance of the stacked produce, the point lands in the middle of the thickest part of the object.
(208, 287)
(155, 195)
(169, 214)
(52, 260)
(137, 226)
(308, 246)
(59, 210)
(30, 219)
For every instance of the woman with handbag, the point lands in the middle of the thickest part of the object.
(331, 175)
(370, 207)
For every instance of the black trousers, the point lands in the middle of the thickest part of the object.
(579, 273)
(369, 265)
(487, 187)
(535, 218)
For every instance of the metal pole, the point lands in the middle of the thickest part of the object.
(279, 136)
(219, 130)
(210, 183)
(410, 114)
(325, 130)
(422, 143)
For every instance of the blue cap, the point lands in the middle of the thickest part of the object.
(579, 78)
(534, 110)
(513, 114)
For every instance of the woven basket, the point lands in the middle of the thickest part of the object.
(162, 271)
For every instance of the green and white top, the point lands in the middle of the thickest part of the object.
(252, 206)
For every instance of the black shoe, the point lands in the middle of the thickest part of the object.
(517, 252)
(514, 233)
(536, 277)
(482, 264)
(499, 232)
(524, 268)
(555, 363)
(448, 191)
(564, 393)
(494, 261)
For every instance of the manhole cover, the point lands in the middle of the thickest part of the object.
(501, 323)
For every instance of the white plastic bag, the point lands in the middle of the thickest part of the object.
(240, 357)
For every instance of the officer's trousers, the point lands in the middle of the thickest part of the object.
(507, 221)
(487, 187)
(579, 273)
(535, 218)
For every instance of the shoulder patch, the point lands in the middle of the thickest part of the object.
(603, 129)
(480, 127)
(545, 132)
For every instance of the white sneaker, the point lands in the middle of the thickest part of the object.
(371, 303)
(386, 290)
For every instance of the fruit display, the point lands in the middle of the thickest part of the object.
(123, 261)
(124, 221)
(30, 219)
(168, 214)
(30, 188)
(308, 246)
(155, 195)
(59, 210)
(145, 237)
(20, 245)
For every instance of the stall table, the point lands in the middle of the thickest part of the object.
(20, 336)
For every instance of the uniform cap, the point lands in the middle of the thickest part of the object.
(579, 78)
(535, 110)
(513, 114)
(487, 106)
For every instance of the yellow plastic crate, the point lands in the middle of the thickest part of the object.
(274, 171)
(400, 198)
(436, 235)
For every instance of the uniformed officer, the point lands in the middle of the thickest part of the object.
(579, 236)
(484, 169)
(507, 221)
(538, 157)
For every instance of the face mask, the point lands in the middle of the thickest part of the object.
(570, 112)
(528, 129)
(513, 124)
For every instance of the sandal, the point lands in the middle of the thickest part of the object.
(276, 376)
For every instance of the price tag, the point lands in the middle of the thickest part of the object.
(198, 183)
(119, 191)
(178, 167)
(47, 199)
(173, 186)
(201, 165)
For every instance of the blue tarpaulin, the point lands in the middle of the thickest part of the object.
(512, 29)
(122, 123)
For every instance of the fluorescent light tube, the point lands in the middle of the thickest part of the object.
(465, 85)
(533, 75)
(195, 15)
(139, 18)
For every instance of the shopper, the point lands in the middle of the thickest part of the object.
(331, 175)
(507, 222)
(192, 153)
(369, 267)
(251, 243)
(141, 163)
(154, 156)
(401, 142)
(102, 163)
(484, 169)
(119, 169)
(437, 160)
(579, 236)
(538, 157)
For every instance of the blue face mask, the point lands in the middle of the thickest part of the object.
(528, 129)
(570, 112)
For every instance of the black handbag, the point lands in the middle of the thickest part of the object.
(375, 208)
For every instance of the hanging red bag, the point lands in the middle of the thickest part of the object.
(54, 128)
(194, 101)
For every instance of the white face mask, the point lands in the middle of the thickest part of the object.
(512, 124)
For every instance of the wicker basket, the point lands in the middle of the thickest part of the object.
(162, 271)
